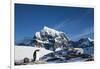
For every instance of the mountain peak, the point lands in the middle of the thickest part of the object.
(50, 31)
(90, 39)
(48, 36)
(45, 27)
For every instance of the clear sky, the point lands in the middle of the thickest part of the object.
(76, 22)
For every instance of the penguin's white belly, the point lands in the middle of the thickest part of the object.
(37, 56)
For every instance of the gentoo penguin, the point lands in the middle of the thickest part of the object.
(36, 55)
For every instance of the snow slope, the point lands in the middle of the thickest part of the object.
(23, 51)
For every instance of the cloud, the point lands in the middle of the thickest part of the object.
(74, 19)
(87, 31)
(62, 24)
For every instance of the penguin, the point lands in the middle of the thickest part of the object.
(36, 55)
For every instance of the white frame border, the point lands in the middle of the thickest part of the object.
(72, 3)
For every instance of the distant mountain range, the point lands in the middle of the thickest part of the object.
(52, 39)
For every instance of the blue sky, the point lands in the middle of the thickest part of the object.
(76, 22)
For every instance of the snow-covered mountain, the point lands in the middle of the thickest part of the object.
(83, 42)
(50, 39)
